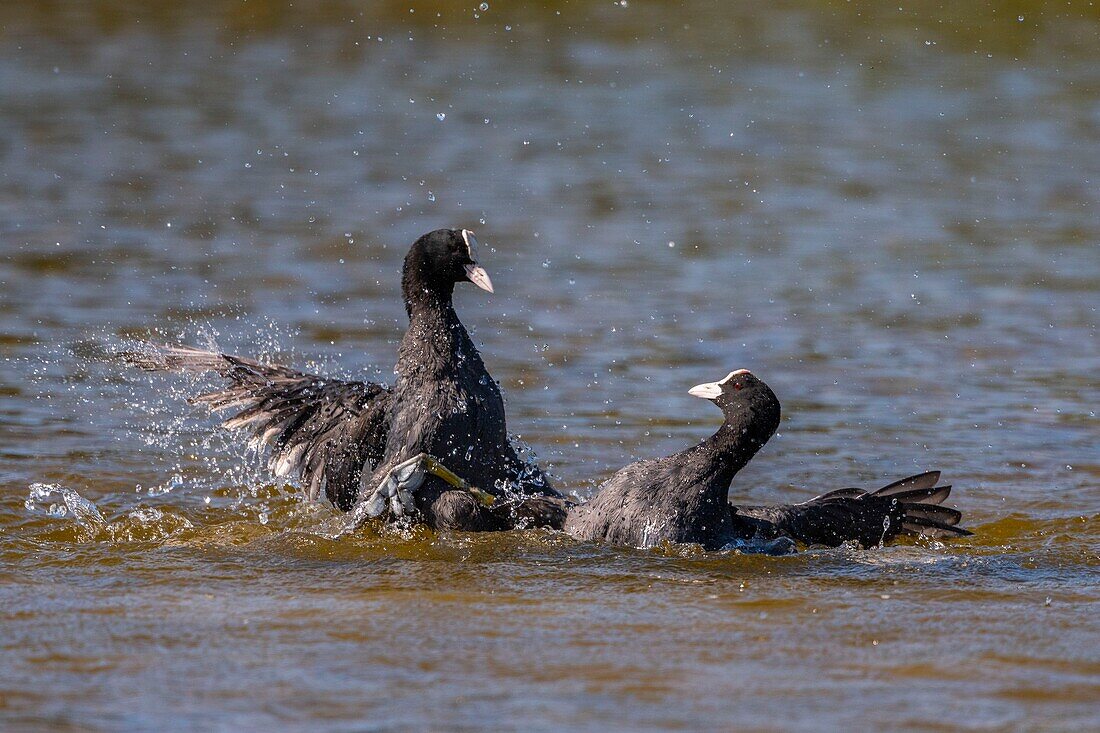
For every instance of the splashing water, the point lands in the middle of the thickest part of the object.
(778, 546)
(885, 529)
(64, 502)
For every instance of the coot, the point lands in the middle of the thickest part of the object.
(683, 497)
(440, 431)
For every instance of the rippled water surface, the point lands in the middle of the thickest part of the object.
(889, 213)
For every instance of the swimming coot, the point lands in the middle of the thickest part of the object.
(440, 431)
(683, 497)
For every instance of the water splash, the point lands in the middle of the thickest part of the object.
(778, 546)
(885, 529)
(147, 515)
(192, 452)
(64, 502)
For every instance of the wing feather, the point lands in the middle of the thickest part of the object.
(324, 431)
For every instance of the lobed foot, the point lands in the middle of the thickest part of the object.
(395, 492)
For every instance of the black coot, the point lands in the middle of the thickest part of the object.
(683, 497)
(441, 425)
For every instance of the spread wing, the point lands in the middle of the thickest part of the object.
(912, 505)
(322, 430)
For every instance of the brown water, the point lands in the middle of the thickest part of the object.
(889, 214)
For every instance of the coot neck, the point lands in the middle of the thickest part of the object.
(426, 299)
(434, 322)
(436, 342)
(716, 460)
(704, 473)
(733, 446)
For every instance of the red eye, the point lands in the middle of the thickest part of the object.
(738, 385)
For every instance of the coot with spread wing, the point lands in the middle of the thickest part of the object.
(435, 444)
(683, 497)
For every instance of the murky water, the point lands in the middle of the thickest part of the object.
(890, 215)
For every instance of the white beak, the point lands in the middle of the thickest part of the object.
(477, 275)
(712, 390)
(708, 391)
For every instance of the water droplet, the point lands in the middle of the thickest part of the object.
(431, 196)
(441, 116)
(483, 7)
(1020, 18)
(546, 264)
(147, 515)
(671, 245)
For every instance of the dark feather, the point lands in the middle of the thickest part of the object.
(921, 481)
(910, 505)
(932, 529)
(934, 495)
(851, 493)
(940, 514)
(324, 431)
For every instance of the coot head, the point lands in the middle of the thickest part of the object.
(442, 258)
(745, 401)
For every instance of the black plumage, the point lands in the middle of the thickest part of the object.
(342, 436)
(446, 404)
(683, 497)
(908, 506)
